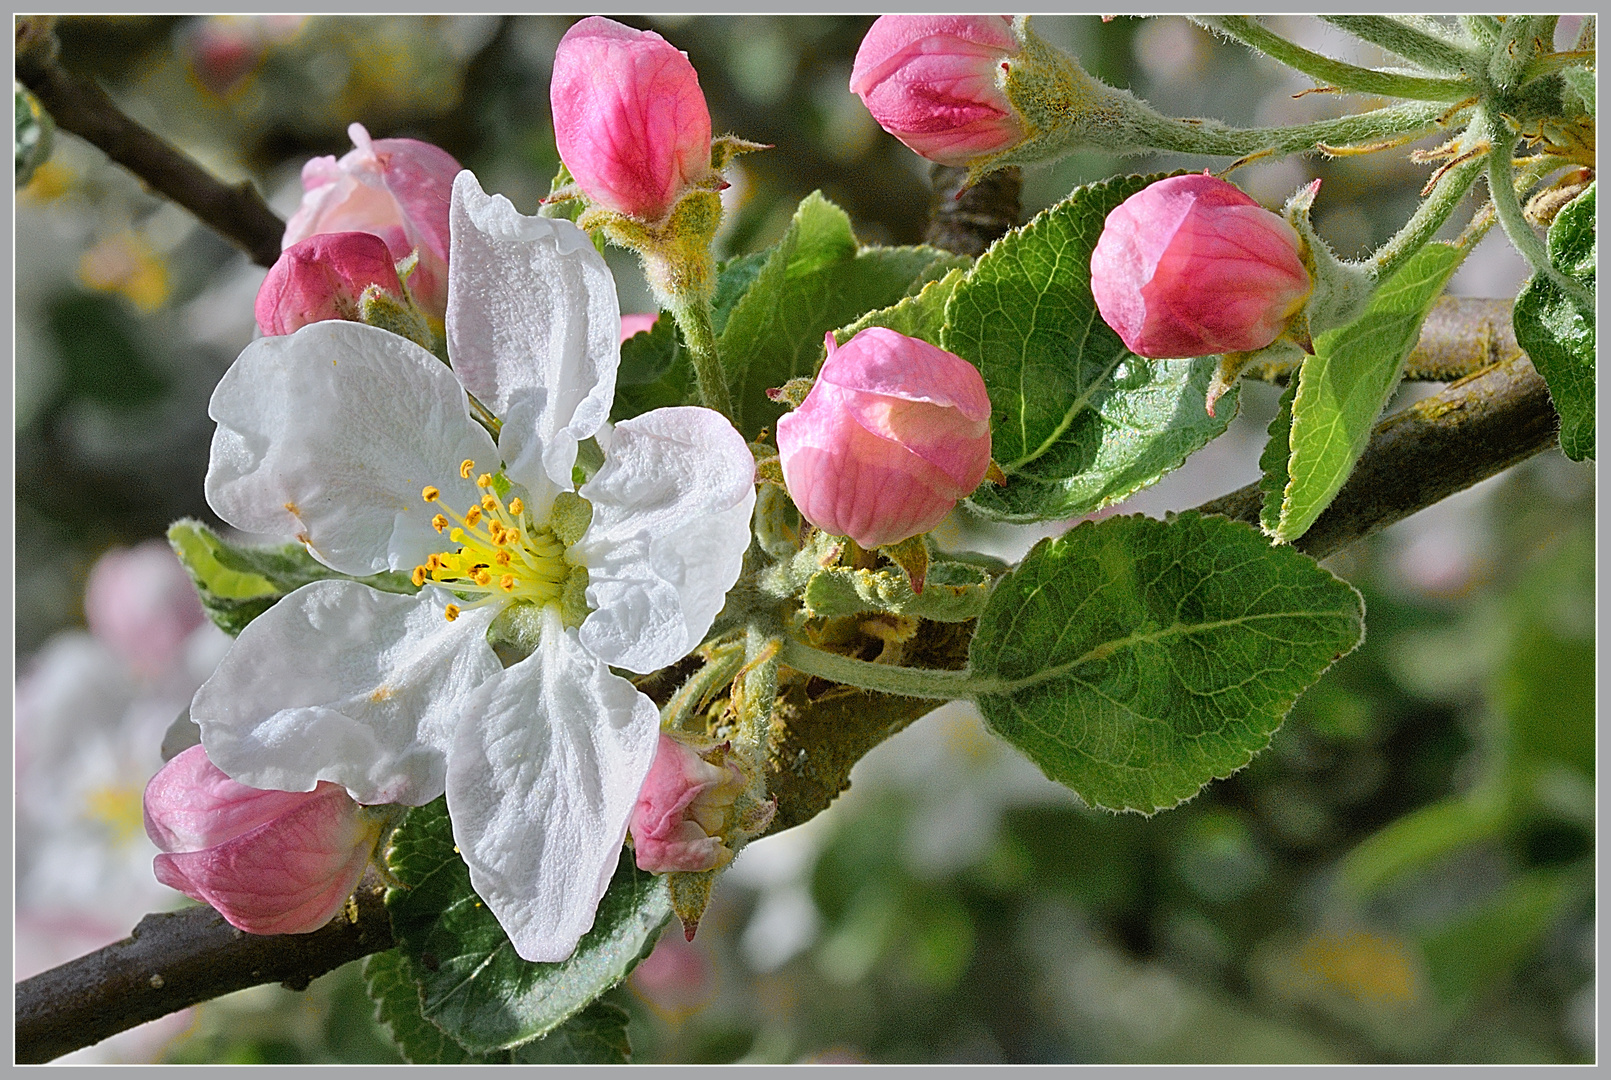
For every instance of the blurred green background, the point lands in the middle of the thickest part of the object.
(1406, 875)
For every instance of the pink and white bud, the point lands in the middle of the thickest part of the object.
(685, 805)
(629, 117)
(1191, 266)
(632, 325)
(139, 601)
(271, 862)
(398, 189)
(935, 82)
(324, 277)
(894, 432)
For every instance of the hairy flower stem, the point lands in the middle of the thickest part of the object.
(1428, 218)
(884, 678)
(1413, 44)
(699, 335)
(1161, 132)
(1249, 31)
(762, 650)
(1508, 207)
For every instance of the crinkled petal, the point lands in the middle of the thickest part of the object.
(533, 327)
(340, 682)
(671, 521)
(540, 787)
(331, 433)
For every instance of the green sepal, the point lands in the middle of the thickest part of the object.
(953, 592)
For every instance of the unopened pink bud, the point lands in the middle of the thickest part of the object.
(398, 189)
(271, 862)
(632, 325)
(894, 432)
(140, 602)
(934, 82)
(1191, 266)
(682, 809)
(629, 117)
(324, 277)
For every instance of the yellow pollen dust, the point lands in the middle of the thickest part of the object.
(496, 561)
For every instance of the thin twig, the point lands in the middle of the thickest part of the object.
(236, 212)
(176, 959)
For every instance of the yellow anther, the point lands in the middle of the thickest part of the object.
(451, 611)
(512, 536)
(484, 480)
(458, 536)
(480, 576)
(466, 467)
(507, 583)
(490, 503)
(502, 558)
(516, 507)
(496, 531)
(419, 575)
(439, 522)
(433, 562)
(472, 517)
(430, 494)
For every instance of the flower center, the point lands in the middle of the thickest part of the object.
(502, 556)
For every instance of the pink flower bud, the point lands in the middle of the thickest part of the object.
(140, 603)
(685, 804)
(1191, 266)
(629, 117)
(398, 189)
(271, 862)
(932, 81)
(324, 277)
(894, 432)
(632, 325)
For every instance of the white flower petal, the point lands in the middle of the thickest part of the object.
(671, 521)
(340, 682)
(331, 433)
(533, 325)
(541, 782)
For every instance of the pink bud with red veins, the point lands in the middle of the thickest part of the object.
(271, 862)
(935, 83)
(629, 117)
(894, 432)
(140, 602)
(324, 277)
(685, 805)
(1191, 266)
(398, 189)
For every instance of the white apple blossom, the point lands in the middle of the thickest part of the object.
(364, 445)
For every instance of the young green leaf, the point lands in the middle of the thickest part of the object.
(1135, 660)
(1558, 333)
(472, 983)
(1078, 421)
(1343, 387)
(815, 279)
(1273, 461)
(920, 315)
(237, 583)
(595, 1036)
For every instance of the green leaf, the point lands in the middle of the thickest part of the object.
(920, 315)
(1273, 461)
(1343, 387)
(1580, 81)
(1078, 421)
(473, 984)
(1135, 660)
(1558, 333)
(733, 280)
(954, 592)
(595, 1036)
(237, 583)
(655, 372)
(32, 137)
(816, 279)
(1417, 839)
